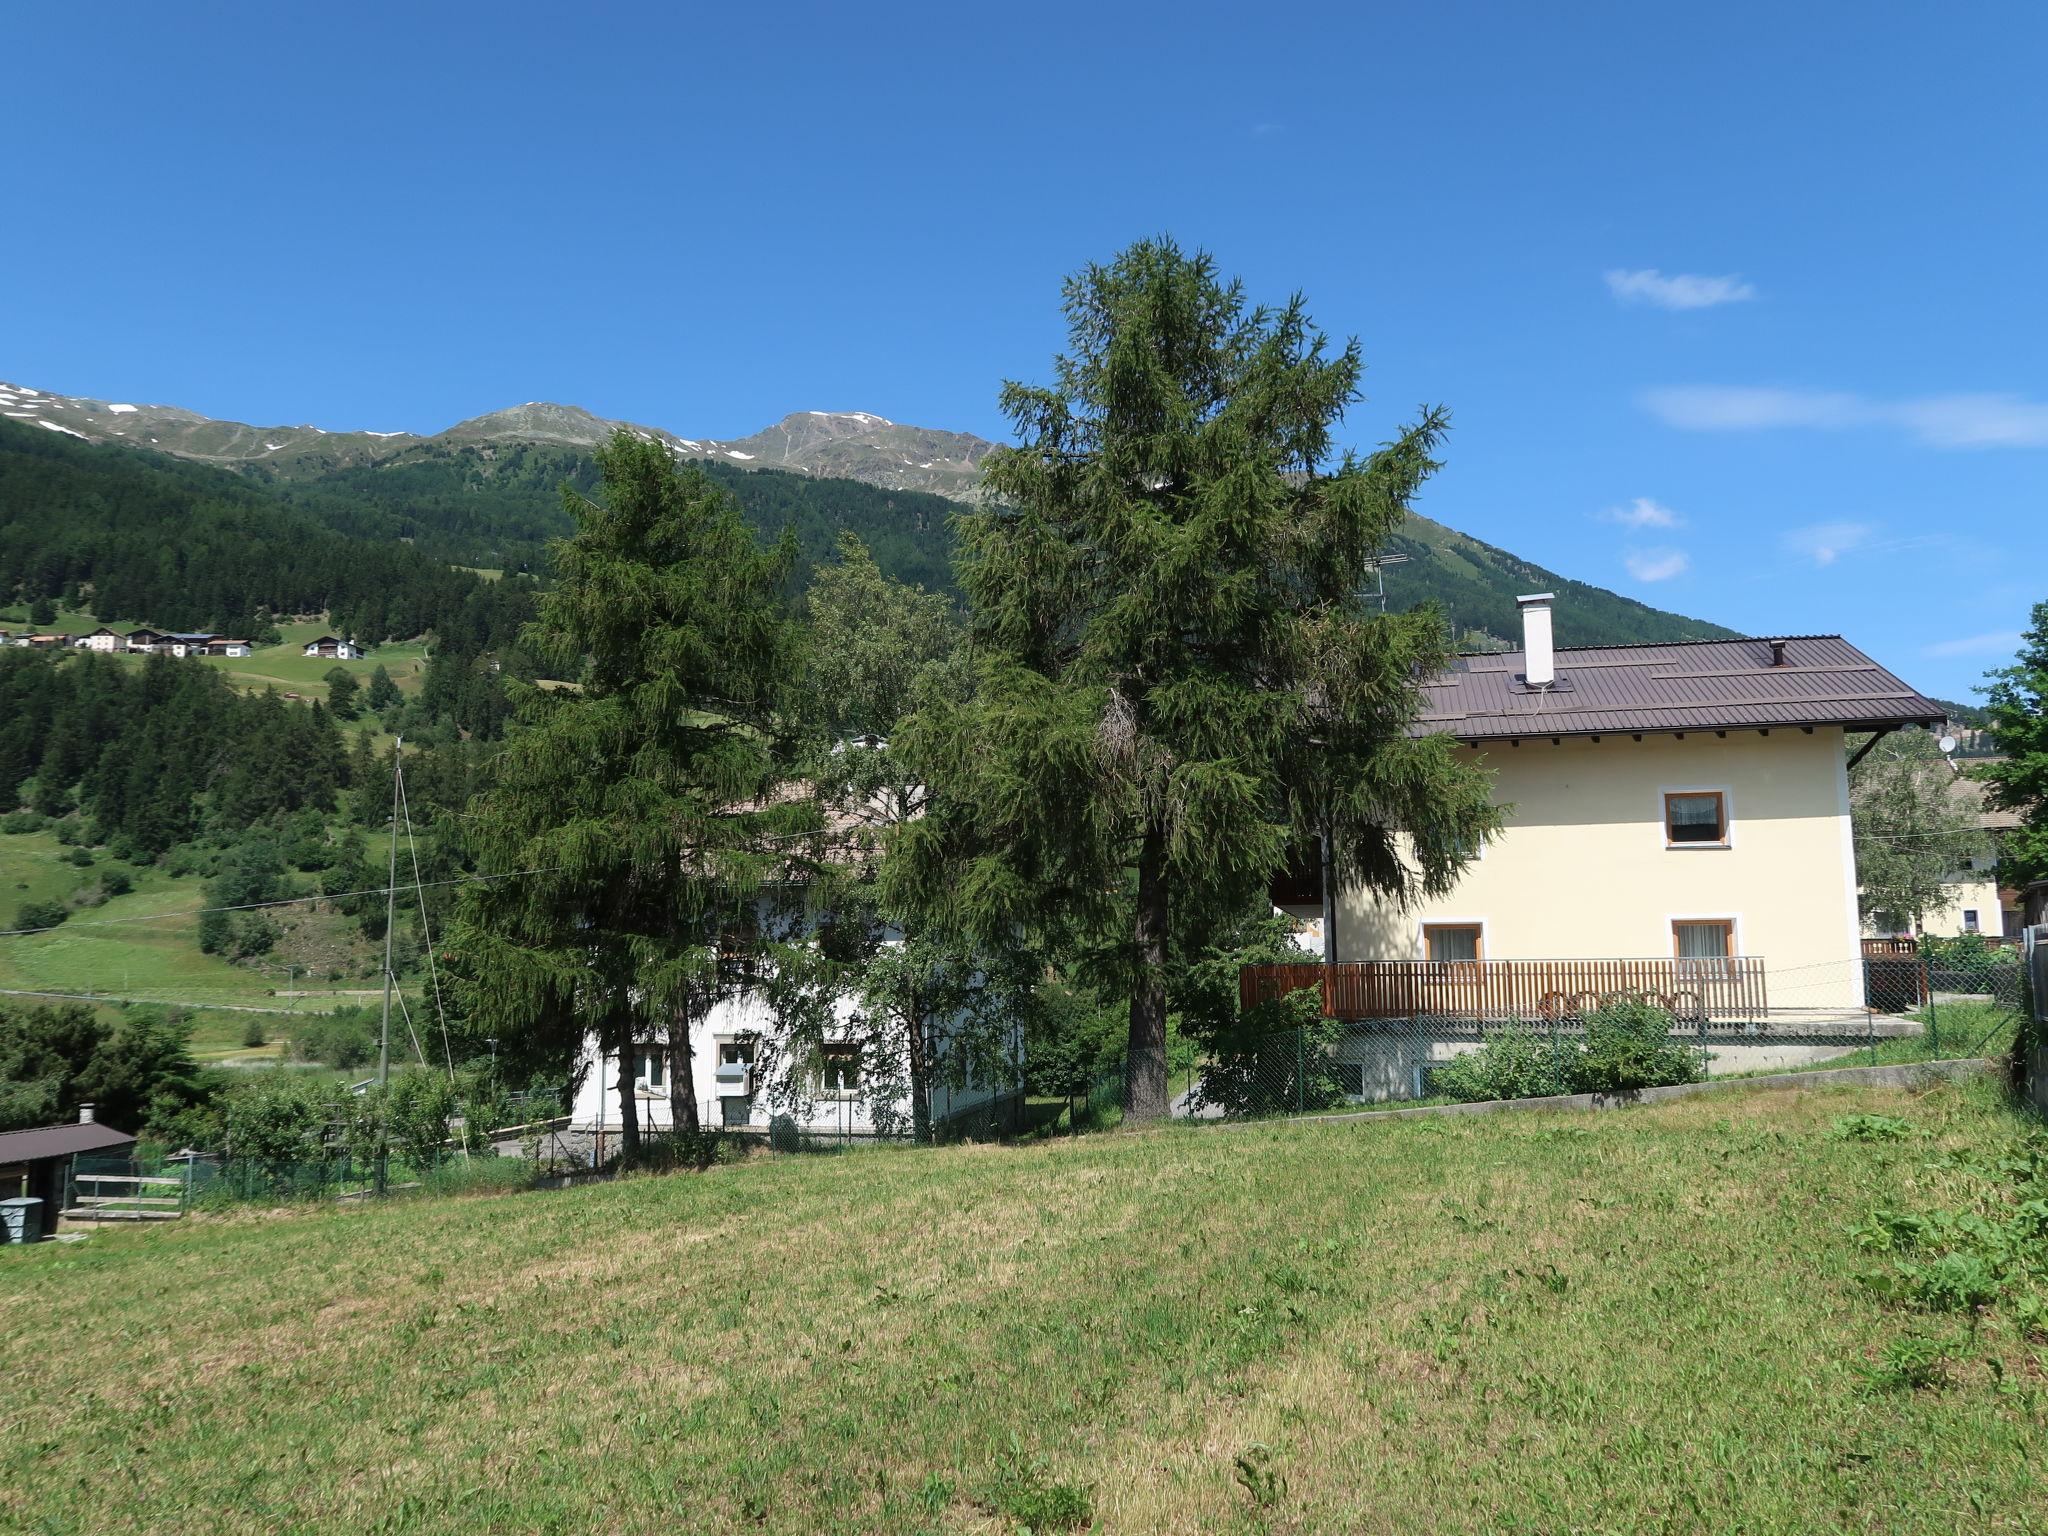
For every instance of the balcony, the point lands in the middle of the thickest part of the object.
(1712, 990)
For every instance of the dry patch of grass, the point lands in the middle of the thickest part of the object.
(1643, 1320)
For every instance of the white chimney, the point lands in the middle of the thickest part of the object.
(85, 1114)
(1540, 665)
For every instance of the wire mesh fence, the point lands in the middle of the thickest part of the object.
(1929, 1001)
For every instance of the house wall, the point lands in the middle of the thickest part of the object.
(1974, 889)
(1582, 870)
(596, 1103)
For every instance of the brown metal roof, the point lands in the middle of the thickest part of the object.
(1686, 686)
(60, 1141)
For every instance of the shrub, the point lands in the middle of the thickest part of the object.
(1516, 1062)
(82, 857)
(116, 882)
(40, 914)
(343, 1039)
(1629, 1046)
(15, 822)
(253, 1036)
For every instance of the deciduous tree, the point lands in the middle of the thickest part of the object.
(1913, 831)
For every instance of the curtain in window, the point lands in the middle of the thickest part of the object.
(1454, 943)
(1702, 941)
(1694, 818)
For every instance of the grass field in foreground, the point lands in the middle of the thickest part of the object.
(1632, 1321)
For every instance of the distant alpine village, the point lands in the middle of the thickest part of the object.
(152, 642)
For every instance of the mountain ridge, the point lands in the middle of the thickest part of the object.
(853, 445)
(489, 483)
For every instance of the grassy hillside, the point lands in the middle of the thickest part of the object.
(1645, 1320)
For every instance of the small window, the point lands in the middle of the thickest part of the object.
(1970, 920)
(1696, 819)
(1703, 939)
(1452, 941)
(839, 1069)
(1350, 1078)
(651, 1065)
(736, 1053)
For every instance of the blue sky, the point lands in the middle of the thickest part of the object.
(1738, 309)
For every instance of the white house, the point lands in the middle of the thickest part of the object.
(228, 648)
(738, 1075)
(340, 650)
(103, 639)
(1677, 823)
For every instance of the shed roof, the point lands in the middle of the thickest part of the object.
(1684, 686)
(60, 1141)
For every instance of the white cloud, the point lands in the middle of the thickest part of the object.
(1681, 290)
(1643, 513)
(1656, 564)
(1939, 421)
(2003, 642)
(1825, 543)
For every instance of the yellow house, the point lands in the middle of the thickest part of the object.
(1684, 806)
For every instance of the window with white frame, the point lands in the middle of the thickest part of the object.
(1703, 946)
(650, 1065)
(839, 1068)
(1695, 818)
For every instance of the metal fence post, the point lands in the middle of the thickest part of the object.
(1300, 1069)
(1933, 1022)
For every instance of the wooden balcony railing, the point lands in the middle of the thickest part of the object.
(1729, 990)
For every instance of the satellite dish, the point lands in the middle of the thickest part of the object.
(1948, 745)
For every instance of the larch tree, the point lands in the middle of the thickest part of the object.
(2017, 706)
(1178, 679)
(634, 818)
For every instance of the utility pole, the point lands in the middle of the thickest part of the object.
(390, 912)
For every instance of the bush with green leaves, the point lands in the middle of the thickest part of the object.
(1515, 1062)
(344, 1039)
(1625, 1045)
(32, 915)
(1629, 1045)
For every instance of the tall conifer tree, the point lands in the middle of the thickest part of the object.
(1179, 681)
(638, 809)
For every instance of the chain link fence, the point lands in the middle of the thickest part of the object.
(1936, 1000)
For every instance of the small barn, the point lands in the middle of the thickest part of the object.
(36, 1164)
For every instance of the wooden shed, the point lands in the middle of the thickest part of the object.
(35, 1164)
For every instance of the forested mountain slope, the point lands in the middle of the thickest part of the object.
(182, 546)
(486, 493)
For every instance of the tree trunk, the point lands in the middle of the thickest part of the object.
(629, 1103)
(1145, 1067)
(920, 1073)
(682, 1078)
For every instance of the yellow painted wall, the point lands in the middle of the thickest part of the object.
(1973, 889)
(1582, 870)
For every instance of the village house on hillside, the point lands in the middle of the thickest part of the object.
(329, 645)
(1976, 901)
(739, 1056)
(1677, 824)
